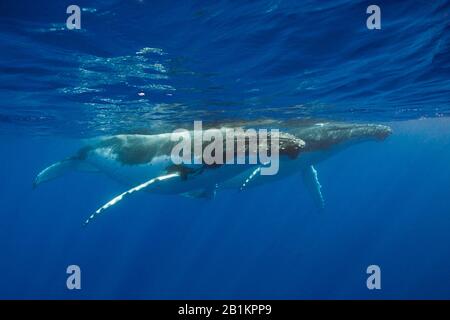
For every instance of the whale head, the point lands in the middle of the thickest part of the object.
(370, 131)
(321, 136)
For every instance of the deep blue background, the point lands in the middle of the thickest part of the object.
(387, 203)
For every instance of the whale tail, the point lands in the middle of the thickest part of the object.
(60, 168)
(55, 170)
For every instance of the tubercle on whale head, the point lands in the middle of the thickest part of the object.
(336, 136)
(364, 132)
(382, 132)
(290, 146)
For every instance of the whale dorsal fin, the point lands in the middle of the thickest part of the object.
(312, 183)
(120, 197)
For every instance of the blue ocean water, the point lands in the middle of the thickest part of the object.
(143, 66)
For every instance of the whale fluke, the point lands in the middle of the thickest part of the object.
(120, 197)
(74, 163)
(55, 170)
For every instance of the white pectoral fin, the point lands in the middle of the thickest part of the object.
(250, 178)
(120, 197)
(312, 183)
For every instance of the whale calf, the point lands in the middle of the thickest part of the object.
(144, 162)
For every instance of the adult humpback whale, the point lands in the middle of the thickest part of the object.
(322, 140)
(144, 161)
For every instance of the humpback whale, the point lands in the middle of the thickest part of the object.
(322, 140)
(144, 163)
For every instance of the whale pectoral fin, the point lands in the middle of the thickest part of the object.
(249, 179)
(120, 197)
(192, 194)
(312, 183)
(207, 193)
